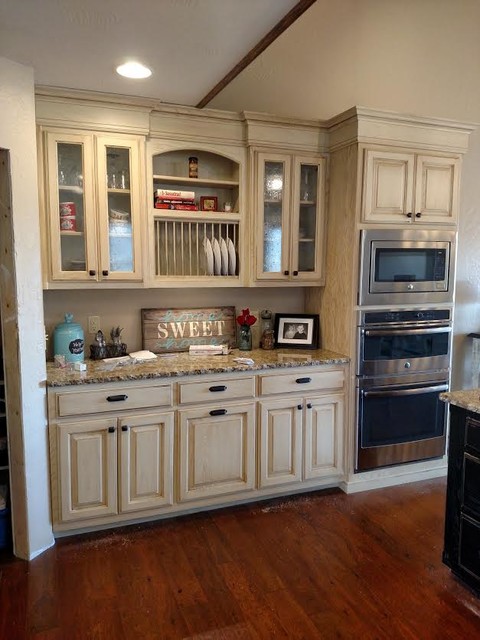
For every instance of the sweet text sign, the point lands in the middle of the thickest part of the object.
(166, 330)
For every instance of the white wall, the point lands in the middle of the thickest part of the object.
(28, 442)
(412, 56)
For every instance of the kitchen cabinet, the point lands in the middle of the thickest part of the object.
(289, 210)
(92, 204)
(217, 450)
(112, 465)
(411, 188)
(462, 518)
(197, 224)
(301, 437)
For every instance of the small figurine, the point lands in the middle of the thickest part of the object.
(100, 339)
(115, 335)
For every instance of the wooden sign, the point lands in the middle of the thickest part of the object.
(166, 330)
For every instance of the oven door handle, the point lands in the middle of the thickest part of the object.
(405, 331)
(404, 392)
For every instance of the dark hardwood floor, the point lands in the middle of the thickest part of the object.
(321, 565)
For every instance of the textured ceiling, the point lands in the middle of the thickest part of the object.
(189, 44)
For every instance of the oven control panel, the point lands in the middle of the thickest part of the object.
(404, 316)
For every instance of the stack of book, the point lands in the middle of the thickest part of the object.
(175, 199)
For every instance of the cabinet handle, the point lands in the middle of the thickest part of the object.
(218, 387)
(299, 407)
(92, 272)
(409, 214)
(119, 398)
(309, 405)
(303, 380)
(295, 273)
(418, 214)
(124, 427)
(218, 412)
(111, 429)
(105, 272)
(286, 273)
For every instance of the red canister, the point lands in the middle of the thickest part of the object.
(68, 223)
(67, 209)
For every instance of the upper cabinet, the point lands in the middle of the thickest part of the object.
(410, 188)
(92, 205)
(289, 217)
(197, 216)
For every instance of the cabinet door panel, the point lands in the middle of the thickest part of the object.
(281, 441)
(217, 453)
(323, 436)
(146, 462)
(388, 186)
(437, 181)
(87, 469)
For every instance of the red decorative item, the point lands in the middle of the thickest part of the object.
(246, 319)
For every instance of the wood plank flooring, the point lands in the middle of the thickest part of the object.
(321, 565)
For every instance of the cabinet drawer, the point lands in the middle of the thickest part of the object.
(217, 391)
(472, 436)
(469, 551)
(71, 403)
(302, 382)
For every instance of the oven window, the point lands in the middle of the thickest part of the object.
(401, 346)
(409, 265)
(397, 416)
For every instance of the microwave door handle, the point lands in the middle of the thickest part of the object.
(404, 392)
(405, 331)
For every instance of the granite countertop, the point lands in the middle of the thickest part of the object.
(183, 364)
(469, 399)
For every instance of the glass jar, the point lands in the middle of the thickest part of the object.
(245, 338)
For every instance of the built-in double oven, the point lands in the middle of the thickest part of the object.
(403, 365)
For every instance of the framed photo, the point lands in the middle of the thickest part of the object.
(208, 203)
(298, 331)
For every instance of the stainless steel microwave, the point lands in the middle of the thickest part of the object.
(406, 266)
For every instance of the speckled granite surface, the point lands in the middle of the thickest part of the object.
(469, 399)
(183, 364)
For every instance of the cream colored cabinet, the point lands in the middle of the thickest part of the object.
(92, 200)
(217, 451)
(406, 187)
(323, 436)
(110, 466)
(289, 211)
(197, 224)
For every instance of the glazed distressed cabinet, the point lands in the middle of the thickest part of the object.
(410, 188)
(110, 466)
(289, 211)
(92, 202)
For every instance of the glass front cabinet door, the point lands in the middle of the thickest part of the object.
(290, 218)
(93, 207)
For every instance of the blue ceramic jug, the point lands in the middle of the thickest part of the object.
(68, 340)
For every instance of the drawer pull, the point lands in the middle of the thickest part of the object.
(119, 398)
(218, 412)
(218, 387)
(303, 380)
(124, 427)
(111, 429)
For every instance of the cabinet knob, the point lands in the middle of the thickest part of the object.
(295, 273)
(309, 405)
(111, 429)
(92, 272)
(299, 407)
(105, 272)
(418, 214)
(124, 427)
(218, 412)
(286, 273)
(409, 214)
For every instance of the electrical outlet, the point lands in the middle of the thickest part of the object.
(93, 324)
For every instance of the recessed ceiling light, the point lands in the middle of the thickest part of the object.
(134, 70)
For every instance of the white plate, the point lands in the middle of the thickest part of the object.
(217, 257)
(232, 258)
(224, 254)
(209, 255)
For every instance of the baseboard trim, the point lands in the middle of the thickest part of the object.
(371, 480)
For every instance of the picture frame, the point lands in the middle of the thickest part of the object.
(297, 330)
(208, 203)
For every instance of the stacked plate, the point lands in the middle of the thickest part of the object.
(220, 257)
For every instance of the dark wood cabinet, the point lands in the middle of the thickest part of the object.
(462, 518)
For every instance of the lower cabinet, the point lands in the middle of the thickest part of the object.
(111, 465)
(300, 439)
(217, 451)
